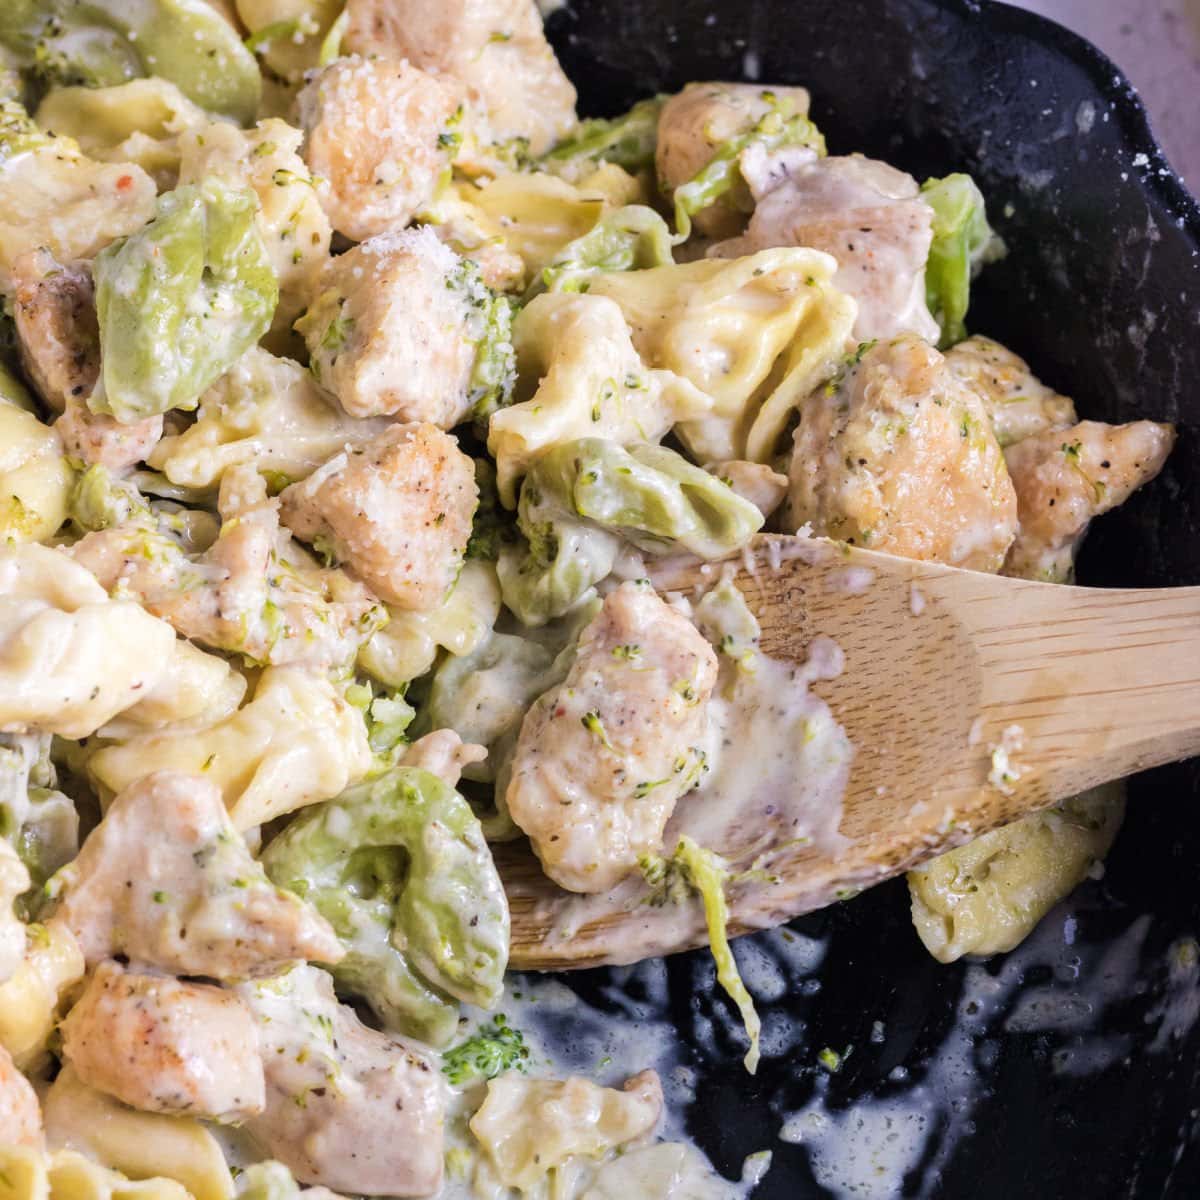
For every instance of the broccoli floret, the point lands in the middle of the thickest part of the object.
(495, 1048)
(692, 868)
(493, 526)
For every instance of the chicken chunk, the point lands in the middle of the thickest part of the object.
(602, 759)
(165, 879)
(444, 754)
(696, 122)
(1017, 402)
(397, 513)
(59, 341)
(868, 215)
(1064, 478)
(58, 336)
(896, 454)
(347, 1107)
(375, 141)
(20, 1113)
(165, 1046)
(497, 48)
(255, 591)
(530, 1127)
(396, 328)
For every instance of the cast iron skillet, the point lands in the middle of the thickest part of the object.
(1101, 291)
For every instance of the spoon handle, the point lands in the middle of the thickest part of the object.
(1102, 683)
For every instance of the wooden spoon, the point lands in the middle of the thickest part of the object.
(939, 662)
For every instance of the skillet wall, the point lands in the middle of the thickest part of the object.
(1101, 291)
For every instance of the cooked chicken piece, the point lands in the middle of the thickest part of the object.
(54, 311)
(1064, 478)
(896, 454)
(868, 215)
(496, 47)
(374, 141)
(1017, 402)
(530, 1127)
(394, 330)
(696, 122)
(603, 758)
(98, 439)
(255, 592)
(444, 754)
(165, 879)
(397, 513)
(20, 1113)
(347, 1107)
(756, 482)
(59, 340)
(165, 1046)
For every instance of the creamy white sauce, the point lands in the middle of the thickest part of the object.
(779, 764)
(865, 1150)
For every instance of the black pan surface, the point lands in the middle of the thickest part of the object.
(1070, 1068)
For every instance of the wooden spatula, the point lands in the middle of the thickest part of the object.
(939, 663)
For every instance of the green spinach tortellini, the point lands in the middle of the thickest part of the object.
(100, 43)
(581, 499)
(400, 869)
(181, 300)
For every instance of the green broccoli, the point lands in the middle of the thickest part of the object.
(629, 140)
(493, 1049)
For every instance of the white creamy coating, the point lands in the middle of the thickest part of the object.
(779, 764)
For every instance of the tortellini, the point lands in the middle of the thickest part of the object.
(141, 1145)
(630, 238)
(407, 646)
(29, 999)
(582, 498)
(68, 1175)
(71, 659)
(532, 1127)
(35, 479)
(136, 122)
(963, 242)
(295, 743)
(416, 937)
(293, 226)
(266, 411)
(181, 300)
(106, 42)
(757, 334)
(987, 896)
(592, 384)
(652, 496)
(52, 196)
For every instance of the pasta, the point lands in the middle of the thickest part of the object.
(593, 384)
(294, 743)
(266, 411)
(694, 320)
(351, 389)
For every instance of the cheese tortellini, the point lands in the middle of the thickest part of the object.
(592, 384)
(756, 334)
(71, 659)
(986, 896)
(35, 479)
(297, 741)
(266, 411)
